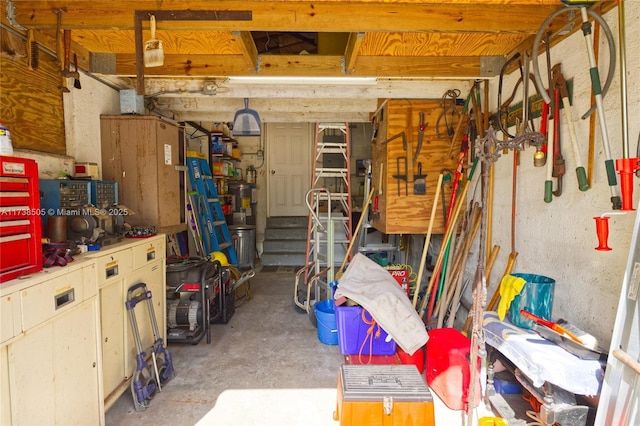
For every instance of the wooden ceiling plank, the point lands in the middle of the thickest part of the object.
(352, 50)
(439, 44)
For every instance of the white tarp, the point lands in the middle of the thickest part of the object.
(372, 287)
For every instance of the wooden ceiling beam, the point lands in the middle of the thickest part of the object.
(317, 16)
(305, 65)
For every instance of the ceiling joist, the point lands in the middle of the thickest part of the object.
(249, 51)
(351, 52)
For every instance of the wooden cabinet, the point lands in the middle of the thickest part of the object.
(402, 206)
(49, 359)
(119, 267)
(142, 154)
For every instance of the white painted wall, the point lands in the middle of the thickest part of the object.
(558, 239)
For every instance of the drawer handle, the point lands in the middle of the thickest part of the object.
(151, 255)
(112, 271)
(65, 298)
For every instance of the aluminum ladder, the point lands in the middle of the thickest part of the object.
(329, 202)
(206, 205)
(620, 396)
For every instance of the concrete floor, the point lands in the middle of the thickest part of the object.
(267, 361)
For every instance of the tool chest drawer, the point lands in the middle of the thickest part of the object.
(149, 251)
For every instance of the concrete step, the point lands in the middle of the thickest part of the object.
(287, 222)
(283, 259)
(285, 234)
(284, 245)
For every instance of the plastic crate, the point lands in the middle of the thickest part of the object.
(353, 330)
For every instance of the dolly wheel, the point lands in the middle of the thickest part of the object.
(151, 381)
(161, 371)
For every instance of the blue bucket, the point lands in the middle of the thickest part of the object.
(327, 325)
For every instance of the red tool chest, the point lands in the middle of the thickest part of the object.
(20, 226)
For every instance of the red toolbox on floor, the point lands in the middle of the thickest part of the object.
(377, 395)
(20, 225)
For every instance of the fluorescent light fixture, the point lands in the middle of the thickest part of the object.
(363, 81)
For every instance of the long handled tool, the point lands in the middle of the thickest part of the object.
(427, 240)
(558, 170)
(597, 91)
(548, 183)
(561, 84)
(454, 278)
(490, 261)
(449, 231)
(438, 271)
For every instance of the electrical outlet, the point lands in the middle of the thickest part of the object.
(260, 153)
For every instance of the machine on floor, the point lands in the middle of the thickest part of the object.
(194, 288)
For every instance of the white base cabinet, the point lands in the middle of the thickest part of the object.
(67, 350)
(50, 358)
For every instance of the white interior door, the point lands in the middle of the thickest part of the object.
(289, 159)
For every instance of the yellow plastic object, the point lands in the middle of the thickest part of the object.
(510, 287)
(220, 257)
(492, 421)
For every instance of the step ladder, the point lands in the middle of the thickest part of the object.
(329, 200)
(214, 232)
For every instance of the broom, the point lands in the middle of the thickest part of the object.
(153, 53)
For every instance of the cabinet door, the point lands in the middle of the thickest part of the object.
(5, 396)
(153, 276)
(141, 154)
(53, 371)
(170, 200)
(112, 325)
(31, 375)
(75, 354)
